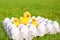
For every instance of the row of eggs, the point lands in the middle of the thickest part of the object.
(28, 27)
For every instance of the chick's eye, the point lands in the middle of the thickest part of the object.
(27, 15)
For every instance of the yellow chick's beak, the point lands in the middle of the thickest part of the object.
(34, 22)
(16, 21)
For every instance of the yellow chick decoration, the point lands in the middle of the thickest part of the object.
(34, 22)
(16, 21)
(25, 19)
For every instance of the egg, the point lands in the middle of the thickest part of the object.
(9, 31)
(32, 31)
(12, 19)
(56, 25)
(5, 22)
(38, 19)
(41, 20)
(41, 29)
(50, 28)
(45, 23)
(50, 21)
(46, 19)
(20, 26)
(14, 32)
(24, 31)
(8, 25)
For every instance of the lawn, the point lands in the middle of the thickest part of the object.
(45, 8)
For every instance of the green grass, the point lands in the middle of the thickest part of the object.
(45, 8)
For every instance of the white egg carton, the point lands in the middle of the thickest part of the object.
(29, 31)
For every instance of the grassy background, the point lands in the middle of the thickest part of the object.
(46, 8)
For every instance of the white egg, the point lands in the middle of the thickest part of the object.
(5, 22)
(46, 19)
(12, 19)
(41, 29)
(33, 17)
(30, 21)
(20, 26)
(59, 29)
(45, 22)
(41, 20)
(24, 31)
(8, 25)
(21, 33)
(9, 31)
(50, 28)
(50, 21)
(15, 32)
(56, 25)
(38, 18)
(32, 31)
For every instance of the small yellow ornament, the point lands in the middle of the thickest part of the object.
(34, 22)
(25, 19)
(16, 21)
